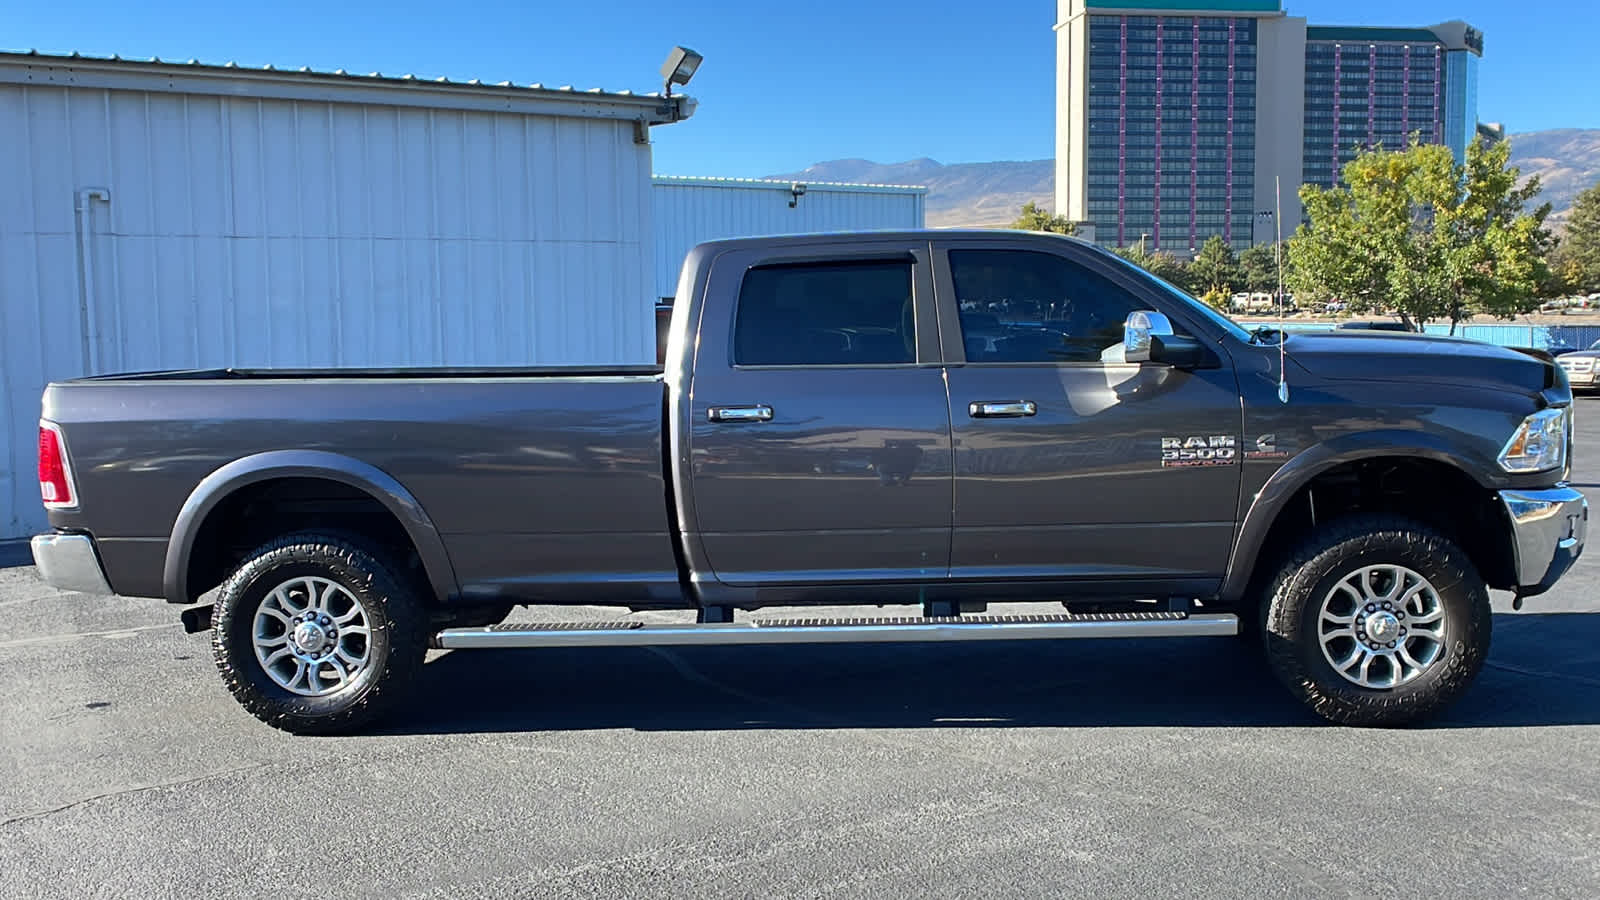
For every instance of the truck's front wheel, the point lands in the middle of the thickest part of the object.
(315, 634)
(1377, 620)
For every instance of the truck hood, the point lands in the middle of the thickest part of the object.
(1395, 356)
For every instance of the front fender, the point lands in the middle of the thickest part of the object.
(1295, 474)
(381, 486)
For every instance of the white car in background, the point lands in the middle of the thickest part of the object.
(1582, 366)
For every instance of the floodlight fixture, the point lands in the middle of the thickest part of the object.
(680, 67)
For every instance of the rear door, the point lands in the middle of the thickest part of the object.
(1068, 465)
(819, 423)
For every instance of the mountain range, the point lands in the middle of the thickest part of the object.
(987, 194)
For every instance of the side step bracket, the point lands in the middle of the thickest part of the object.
(633, 633)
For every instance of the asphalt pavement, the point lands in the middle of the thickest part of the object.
(1077, 768)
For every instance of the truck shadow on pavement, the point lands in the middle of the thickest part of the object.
(1544, 669)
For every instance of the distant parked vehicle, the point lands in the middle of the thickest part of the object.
(1562, 304)
(1256, 302)
(1582, 367)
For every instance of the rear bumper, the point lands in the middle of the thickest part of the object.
(69, 562)
(1548, 529)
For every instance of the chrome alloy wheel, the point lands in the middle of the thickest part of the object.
(1381, 626)
(312, 636)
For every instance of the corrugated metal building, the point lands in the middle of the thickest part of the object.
(171, 215)
(691, 210)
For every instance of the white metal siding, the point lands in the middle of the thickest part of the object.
(259, 232)
(689, 211)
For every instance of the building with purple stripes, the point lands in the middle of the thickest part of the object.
(1370, 86)
(1181, 119)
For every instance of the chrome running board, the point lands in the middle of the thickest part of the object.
(840, 631)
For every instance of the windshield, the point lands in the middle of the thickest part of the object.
(1179, 294)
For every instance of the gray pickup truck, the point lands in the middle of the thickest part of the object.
(944, 419)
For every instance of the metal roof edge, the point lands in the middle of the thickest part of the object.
(784, 185)
(270, 82)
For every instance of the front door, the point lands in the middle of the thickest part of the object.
(1070, 465)
(820, 436)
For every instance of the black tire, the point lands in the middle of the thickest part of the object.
(395, 647)
(1291, 614)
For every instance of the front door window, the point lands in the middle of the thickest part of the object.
(1026, 307)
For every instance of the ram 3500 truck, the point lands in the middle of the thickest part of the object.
(943, 418)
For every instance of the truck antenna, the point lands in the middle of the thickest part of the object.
(1277, 255)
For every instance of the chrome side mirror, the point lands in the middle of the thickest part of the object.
(1140, 333)
(1148, 337)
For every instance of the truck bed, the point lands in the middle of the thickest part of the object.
(540, 482)
(412, 372)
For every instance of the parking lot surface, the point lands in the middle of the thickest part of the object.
(1104, 769)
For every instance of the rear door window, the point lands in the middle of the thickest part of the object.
(826, 314)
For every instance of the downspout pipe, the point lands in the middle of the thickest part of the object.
(83, 223)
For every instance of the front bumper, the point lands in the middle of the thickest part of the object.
(1581, 378)
(1548, 529)
(69, 562)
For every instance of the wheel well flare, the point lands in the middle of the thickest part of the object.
(260, 511)
(1435, 493)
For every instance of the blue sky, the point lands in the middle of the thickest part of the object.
(784, 85)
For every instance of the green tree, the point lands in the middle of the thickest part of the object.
(1035, 219)
(1218, 299)
(1494, 252)
(1160, 263)
(1566, 275)
(1414, 232)
(1260, 266)
(1215, 269)
(1577, 258)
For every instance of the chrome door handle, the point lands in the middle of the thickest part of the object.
(1002, 410)
(761, 413)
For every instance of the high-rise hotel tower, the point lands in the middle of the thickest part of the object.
(1176, 118)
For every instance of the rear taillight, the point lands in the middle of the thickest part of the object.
(55, 479)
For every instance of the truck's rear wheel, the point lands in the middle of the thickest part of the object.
(315, 634)
(1377, 620)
